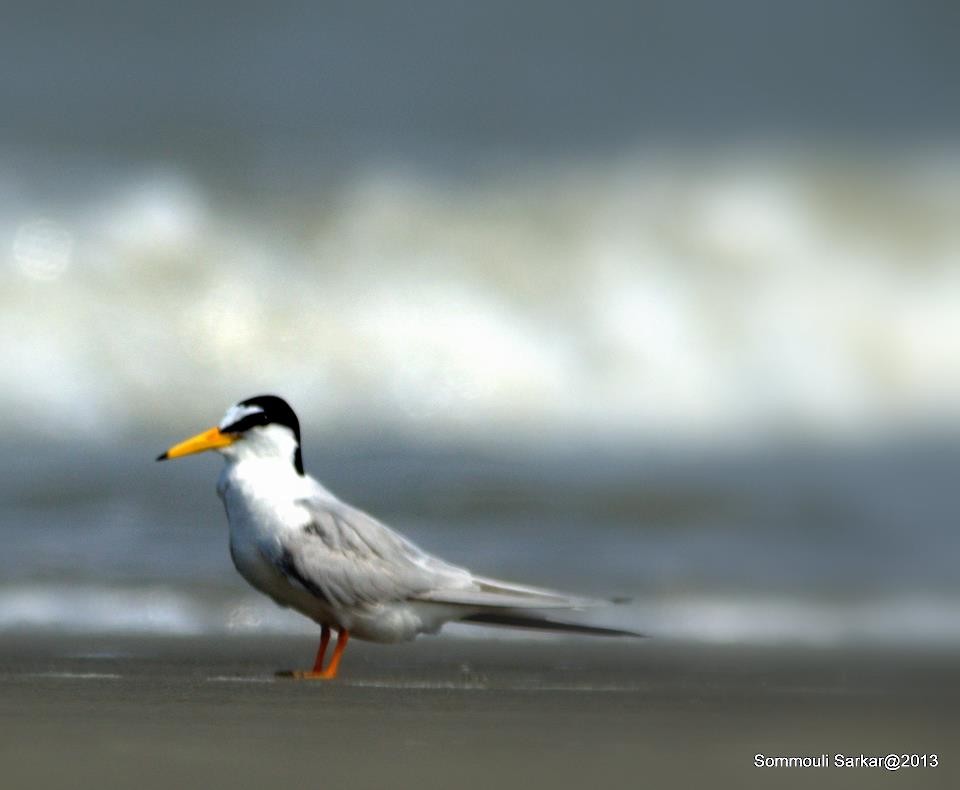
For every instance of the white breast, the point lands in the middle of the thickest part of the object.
(260, 497)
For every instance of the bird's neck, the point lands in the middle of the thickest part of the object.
(274, 444)
(263, 477)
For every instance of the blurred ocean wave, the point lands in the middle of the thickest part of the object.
(694, 297)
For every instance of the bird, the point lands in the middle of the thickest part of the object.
(297, 543)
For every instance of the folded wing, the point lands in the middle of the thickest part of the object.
(349, 558)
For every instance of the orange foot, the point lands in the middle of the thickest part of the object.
(318, 673)
(306, 674)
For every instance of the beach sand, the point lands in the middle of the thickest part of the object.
(150, 712)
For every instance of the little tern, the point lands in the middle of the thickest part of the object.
(294, 541)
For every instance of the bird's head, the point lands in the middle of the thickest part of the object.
(260, 427)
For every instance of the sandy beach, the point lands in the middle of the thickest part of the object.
(83, 711)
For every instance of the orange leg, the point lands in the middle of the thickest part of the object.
(318, 672)
(343, 636)
(322, 649)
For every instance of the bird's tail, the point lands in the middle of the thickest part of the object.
(518, 619)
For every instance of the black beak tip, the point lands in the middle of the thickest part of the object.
(162, 457)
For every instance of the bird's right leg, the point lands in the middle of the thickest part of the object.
(317, 662)
(322, 649)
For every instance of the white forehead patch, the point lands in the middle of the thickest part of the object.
(236, 413)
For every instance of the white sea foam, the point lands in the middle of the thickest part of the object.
(905, 620)
(912, 620)
(81, 609)
(657, 296)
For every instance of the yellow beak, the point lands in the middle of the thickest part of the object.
(208, 440)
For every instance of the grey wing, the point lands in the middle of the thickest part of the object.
(349, 558)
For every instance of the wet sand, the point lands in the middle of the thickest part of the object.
(78, 711)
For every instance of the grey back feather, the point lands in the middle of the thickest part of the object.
(348, 558)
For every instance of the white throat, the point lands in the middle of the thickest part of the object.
(272, 443)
